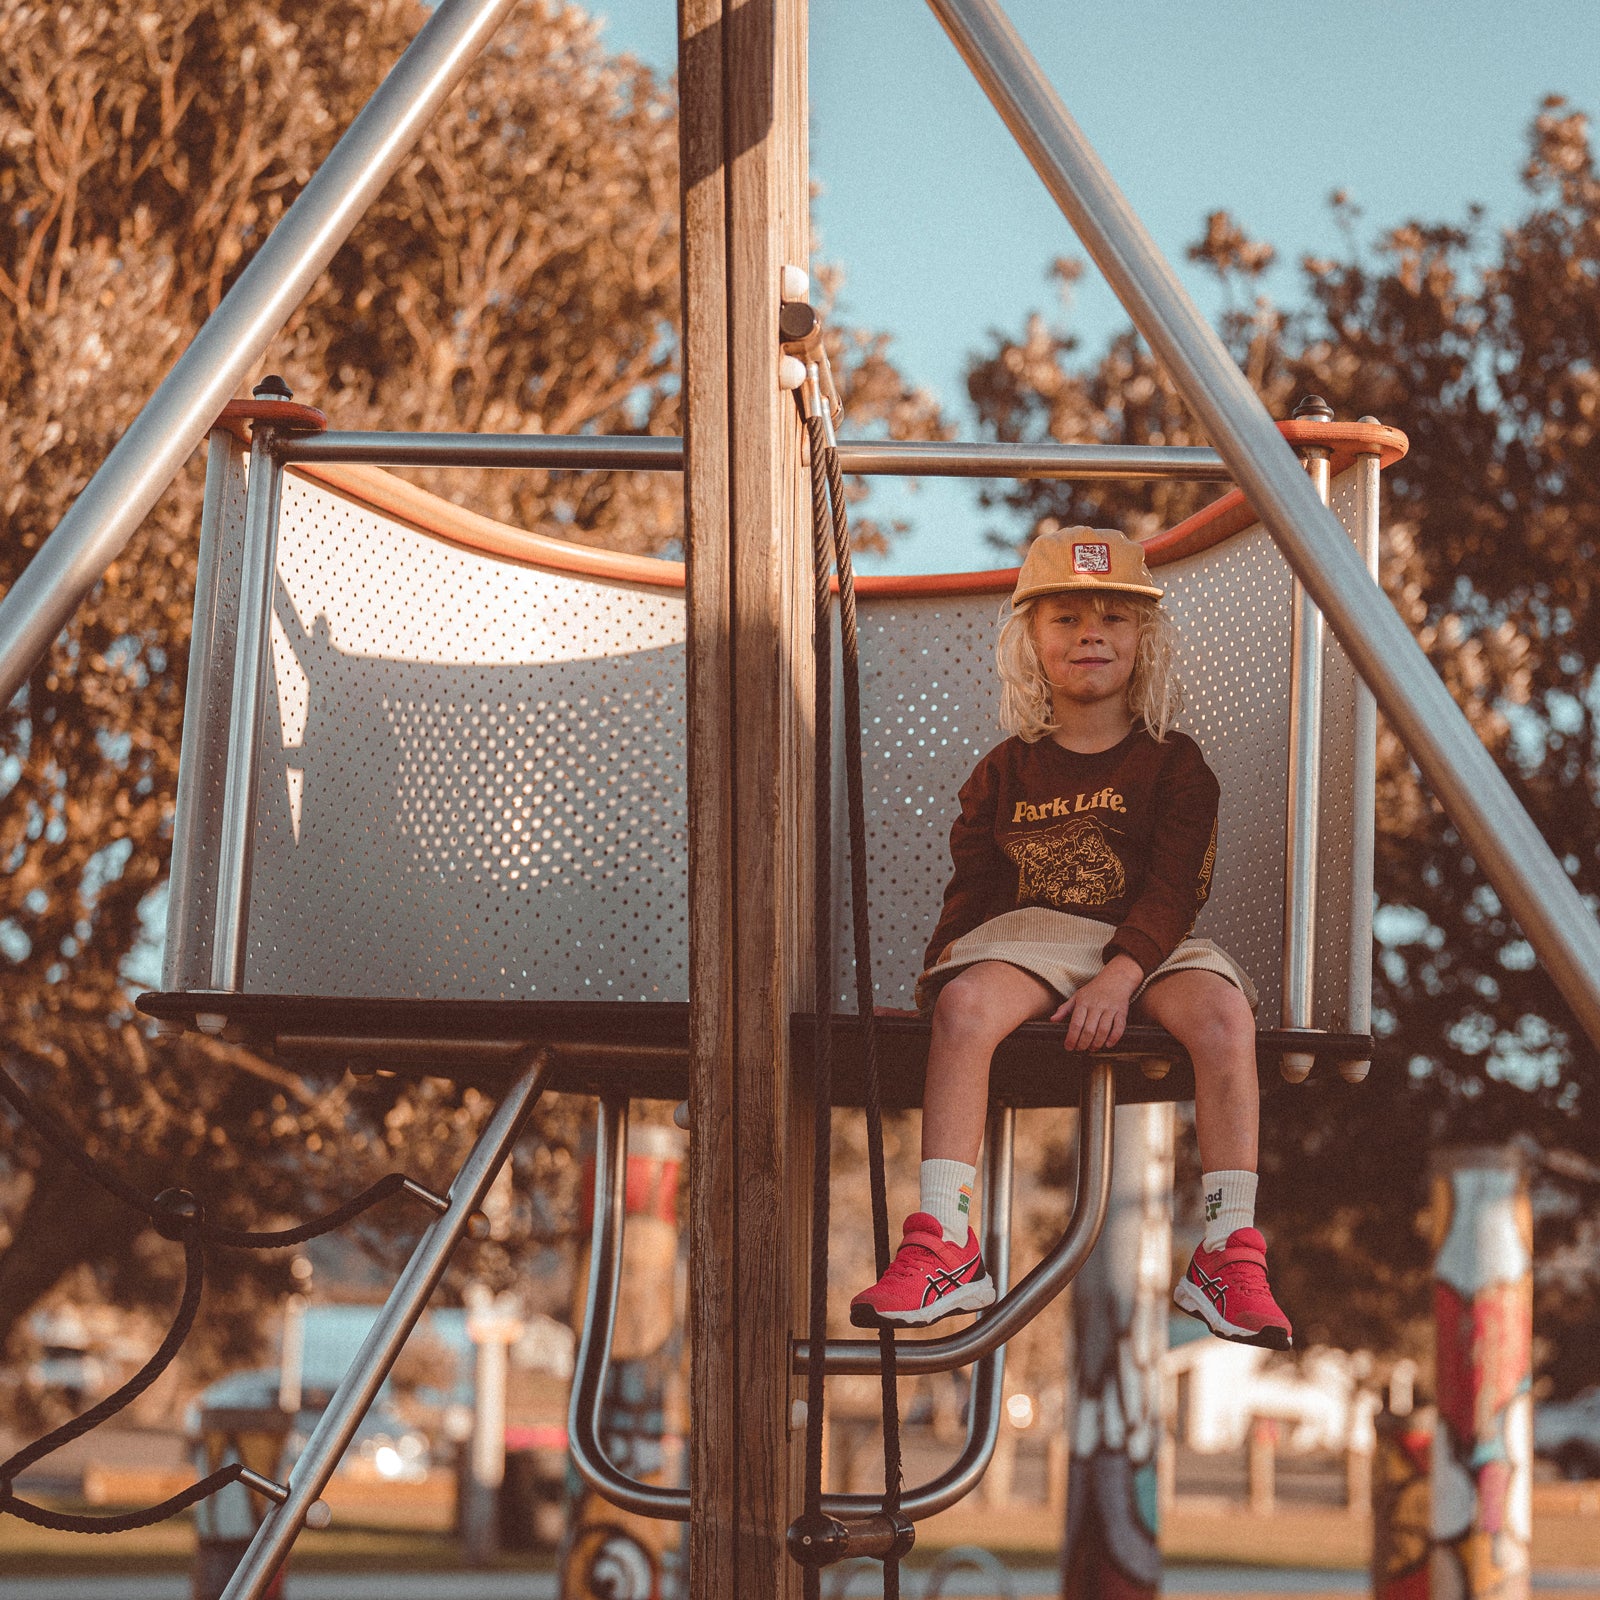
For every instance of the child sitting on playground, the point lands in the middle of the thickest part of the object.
(1083, 853)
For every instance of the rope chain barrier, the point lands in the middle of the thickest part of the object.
(178, 1216)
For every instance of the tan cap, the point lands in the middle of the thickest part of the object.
(1084, 558)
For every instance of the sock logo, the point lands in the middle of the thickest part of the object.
(964, 1200)
(1213, 1205)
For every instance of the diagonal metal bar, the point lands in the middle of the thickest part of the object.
(1494, 826)
(175, 418)
(270, 1546)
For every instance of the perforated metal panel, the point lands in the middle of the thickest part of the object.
(472, 784)
(932, 709)
(472, 780)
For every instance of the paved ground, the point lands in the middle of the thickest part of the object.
(1194, 1583)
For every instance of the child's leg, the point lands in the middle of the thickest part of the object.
(1226, 1284)
(938, 1269)
(1212, 1020)
(975, 1010)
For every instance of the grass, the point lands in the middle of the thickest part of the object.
(27, 1551)
(1198, 1536)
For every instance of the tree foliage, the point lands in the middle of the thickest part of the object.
(1486, 352)
(518, 274)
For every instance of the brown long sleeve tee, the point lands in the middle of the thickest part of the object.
(1126, 836)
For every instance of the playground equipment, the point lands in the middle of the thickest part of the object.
(444, 749)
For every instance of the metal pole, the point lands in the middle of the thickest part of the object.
(1307, 648)
(955, 459)
(542, 452)
(192, 889)
(338, 1423)
(236, 841)
(1477, 797)
(584, 1410)
(175, 419)
(1364, 781)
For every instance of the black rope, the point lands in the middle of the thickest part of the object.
(866, 1000)
(55, 1134)
(831, 538)
(10, 1470)
(822, 991)
(124, 1522)
(176, 1215)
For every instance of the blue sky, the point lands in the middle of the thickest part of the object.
(1415, 108)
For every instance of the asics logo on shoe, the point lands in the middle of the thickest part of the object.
(948, 1278)
(1214, 1289)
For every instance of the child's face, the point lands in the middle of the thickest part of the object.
(1087, 645)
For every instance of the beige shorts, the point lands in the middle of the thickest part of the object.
(1065, 951)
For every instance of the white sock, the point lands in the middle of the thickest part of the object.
(947, 1196)
(1230, 1203)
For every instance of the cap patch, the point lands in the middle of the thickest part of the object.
(1091, 558)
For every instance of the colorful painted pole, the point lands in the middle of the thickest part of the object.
(1401, 1510)
(610, 1554)
(1483, 1322)
(1119, 1327)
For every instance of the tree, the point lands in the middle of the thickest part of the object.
(1485, 353)
(520, 273)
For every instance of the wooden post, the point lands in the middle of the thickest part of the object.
(1263, 1466)
(744, 182)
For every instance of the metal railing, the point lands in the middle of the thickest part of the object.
(981, 1345)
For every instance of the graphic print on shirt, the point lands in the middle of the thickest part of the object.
(1202, 887)
(1067, 865)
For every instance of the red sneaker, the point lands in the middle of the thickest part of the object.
(1227, 1289)
(928, 1279)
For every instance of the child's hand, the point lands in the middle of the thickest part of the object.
(1099, 1010)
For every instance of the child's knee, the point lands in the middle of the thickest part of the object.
(1225, 1028)
(964, 1006)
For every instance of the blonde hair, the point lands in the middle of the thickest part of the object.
(1155, 696)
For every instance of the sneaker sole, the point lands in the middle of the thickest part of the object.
(969, 1297)
(1188, 1298)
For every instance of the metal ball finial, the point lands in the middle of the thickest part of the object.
(1313, 409)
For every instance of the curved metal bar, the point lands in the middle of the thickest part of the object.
(1015, 1310)
(983, 1344)
(599, 1323)
(961, 1477)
